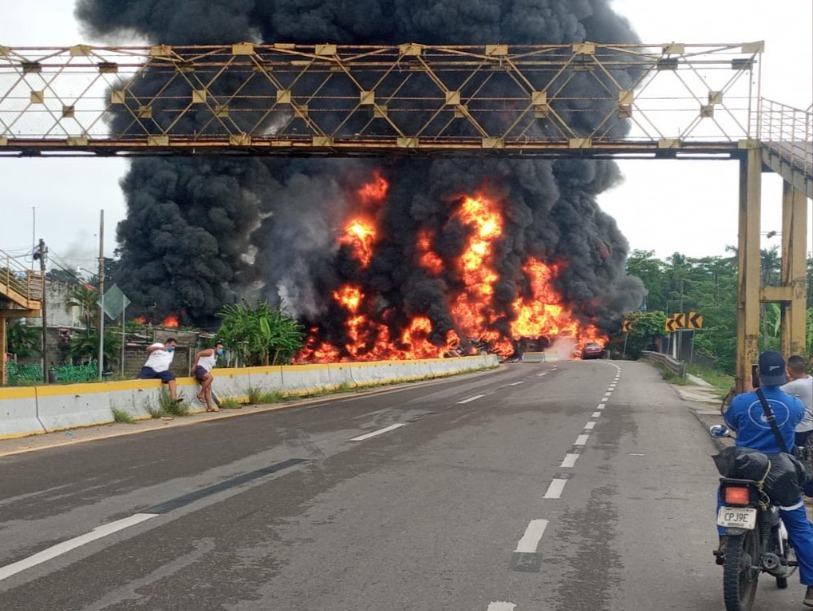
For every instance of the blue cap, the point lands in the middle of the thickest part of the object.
(771, 368)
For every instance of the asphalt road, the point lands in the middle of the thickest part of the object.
(567, 486)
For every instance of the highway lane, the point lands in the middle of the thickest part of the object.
(576, 485)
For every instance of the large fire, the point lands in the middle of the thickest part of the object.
(538, 312)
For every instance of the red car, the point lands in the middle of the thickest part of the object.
(592, 350)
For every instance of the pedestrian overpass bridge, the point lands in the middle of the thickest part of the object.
(581, 100)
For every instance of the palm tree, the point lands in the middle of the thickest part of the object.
(85, 297)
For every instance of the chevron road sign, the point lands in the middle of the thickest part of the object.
(626, 326)
(694, 321)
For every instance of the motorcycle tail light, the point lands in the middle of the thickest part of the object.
(736, 496)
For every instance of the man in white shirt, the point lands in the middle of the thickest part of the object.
(801, 385)
(157, 366)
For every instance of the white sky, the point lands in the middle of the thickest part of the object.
(664, 206)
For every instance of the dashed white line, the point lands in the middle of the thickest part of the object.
(581, 440)
(595, 414)
(555, 489)
(378, 432)
(539, 375)
(569, 461)
(589, 426)
(516, 383)
(62, 548)
(501, 606)
(601, 406)
(533, 535)
(474, 398)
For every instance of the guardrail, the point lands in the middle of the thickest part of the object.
(676, 367)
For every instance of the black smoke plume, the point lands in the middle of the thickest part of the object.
(201, 232)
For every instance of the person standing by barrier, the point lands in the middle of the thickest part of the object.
(205, 361)
(157, 366)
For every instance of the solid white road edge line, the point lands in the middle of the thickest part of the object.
(533, 535)
(392, 427)
(569, 461)
(555, 489)
(474, 398)
(62, 548)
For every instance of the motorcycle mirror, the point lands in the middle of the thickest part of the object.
(719, 430)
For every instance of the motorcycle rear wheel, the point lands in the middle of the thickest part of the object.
(740, 571)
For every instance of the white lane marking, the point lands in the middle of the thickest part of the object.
(474, 398)
(516, 383)
(533, 535)
(601, 406)
(569, 461)
(581, 440)
(539, 375)
(555, 489)
(607, 395)
(589, 426)
(612, 386)
(501, 606)
(392, 427)
(62, 548)
(595, 415)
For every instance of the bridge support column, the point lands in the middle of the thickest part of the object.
(748, 265)
(3, 351)
(794, 270)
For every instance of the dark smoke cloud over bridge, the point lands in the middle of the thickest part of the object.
(200, 231)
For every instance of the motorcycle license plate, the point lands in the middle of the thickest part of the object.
(737, 517)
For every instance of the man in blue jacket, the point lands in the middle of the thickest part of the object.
(747, 418)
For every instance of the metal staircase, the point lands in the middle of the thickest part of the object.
(786, 136)
(20, 297)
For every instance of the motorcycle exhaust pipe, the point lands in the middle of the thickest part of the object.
(773, 565)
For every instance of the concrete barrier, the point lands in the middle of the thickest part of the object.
(33, 410)
(72, 406)
(18, 413)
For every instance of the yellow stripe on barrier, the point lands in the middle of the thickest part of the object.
(16, 392)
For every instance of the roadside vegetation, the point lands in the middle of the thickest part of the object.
(708, 287)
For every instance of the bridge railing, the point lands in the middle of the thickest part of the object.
(17, 282)
(787, 130)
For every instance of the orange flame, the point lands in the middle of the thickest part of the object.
(479, 320)
(360, 237)
(171, 321)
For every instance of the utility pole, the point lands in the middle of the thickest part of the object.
(101, 294)
(41, 254)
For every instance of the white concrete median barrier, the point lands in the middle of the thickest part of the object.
(18, 413)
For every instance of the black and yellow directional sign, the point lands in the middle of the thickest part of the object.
(675, 322)
(680, 320)
(694, 321)
(626, 326)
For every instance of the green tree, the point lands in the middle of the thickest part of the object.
(24, 341)
(259, 334)
(83, 347)
(85, 297)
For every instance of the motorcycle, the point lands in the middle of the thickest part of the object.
(755, 539)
